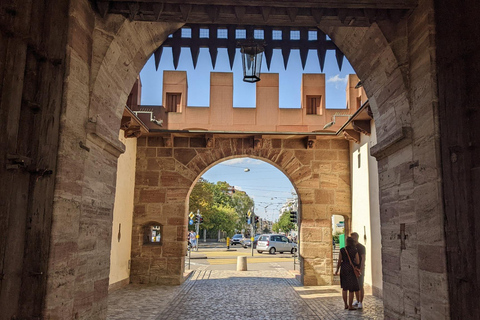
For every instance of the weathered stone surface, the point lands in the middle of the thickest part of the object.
(152, 196)
(323, 196)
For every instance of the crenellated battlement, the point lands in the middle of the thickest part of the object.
(265, 117)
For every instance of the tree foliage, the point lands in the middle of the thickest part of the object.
(221, 209)
(284, 224)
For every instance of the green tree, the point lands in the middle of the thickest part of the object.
(284, 223)
(221, 209)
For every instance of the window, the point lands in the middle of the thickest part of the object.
(294, 35)
(359, 102)
(204, 33)
(359, 157)
(186, 33)
(313, 104)
(312, 35)
(153, 233)
(276, 34)
(258, 34)
(222, 34)
(173, 102)
(240, 34)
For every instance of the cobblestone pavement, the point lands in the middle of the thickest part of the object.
(224, 294)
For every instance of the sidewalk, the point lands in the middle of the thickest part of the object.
(220, 294)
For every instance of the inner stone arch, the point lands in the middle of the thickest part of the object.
(166, 172)
(246, 176)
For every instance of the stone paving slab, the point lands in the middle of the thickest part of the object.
(225, 294)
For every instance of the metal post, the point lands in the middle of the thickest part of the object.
(197, 227)
(188, 249)
(252, 235)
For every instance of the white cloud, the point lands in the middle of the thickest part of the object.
(337, 79)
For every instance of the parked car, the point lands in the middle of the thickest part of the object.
(236, 239)
(246, 242)
(275, 243)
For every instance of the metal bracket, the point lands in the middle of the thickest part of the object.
(402, 236)
(17, 162)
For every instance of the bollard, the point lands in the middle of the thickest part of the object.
(242, 263)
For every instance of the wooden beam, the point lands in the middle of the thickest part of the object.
(362, 126)
(329, 4)
(352, 135)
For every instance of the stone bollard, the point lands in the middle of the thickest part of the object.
(241, 263)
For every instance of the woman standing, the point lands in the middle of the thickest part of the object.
(348, 279)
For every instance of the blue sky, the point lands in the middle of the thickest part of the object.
(267, 185)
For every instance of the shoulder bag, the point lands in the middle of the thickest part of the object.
(356, 270)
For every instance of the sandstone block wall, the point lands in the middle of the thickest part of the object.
(167, 170)
(396, 62)
(399, 77)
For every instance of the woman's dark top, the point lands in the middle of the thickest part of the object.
(348, 279)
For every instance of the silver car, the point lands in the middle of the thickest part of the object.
(275, 242)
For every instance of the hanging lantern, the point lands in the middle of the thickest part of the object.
(252, 52)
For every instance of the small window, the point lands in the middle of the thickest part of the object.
(312, 35)
(153, 233)
(294, 35)
(313, 104)
(359, 160)
(222, 33)
(240, 34)
(173, 102)
(277, 34)
(204, 33)
(359, 102)
(186, 33)
(258, 34)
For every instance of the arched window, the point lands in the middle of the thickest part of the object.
(153, 233)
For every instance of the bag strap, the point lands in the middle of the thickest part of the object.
(346, 251)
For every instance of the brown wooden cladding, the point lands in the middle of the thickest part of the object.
(458, 71)
(32, 53)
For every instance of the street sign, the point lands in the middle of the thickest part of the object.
(249, 213)
(190, 222)
(248, 222)
(191, 215)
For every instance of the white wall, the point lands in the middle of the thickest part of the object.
(123, 213)
(365, 207)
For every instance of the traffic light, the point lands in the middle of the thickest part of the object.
(247, 219)
(196, 218)
(256, 219)
(293, 216)
(201, 219)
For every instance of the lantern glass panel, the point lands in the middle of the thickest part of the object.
(252, 62)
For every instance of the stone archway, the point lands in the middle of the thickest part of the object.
(104, 56)
(167, 170)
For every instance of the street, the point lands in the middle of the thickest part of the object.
(215, 256)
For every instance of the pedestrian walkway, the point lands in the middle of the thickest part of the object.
(220, 294)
